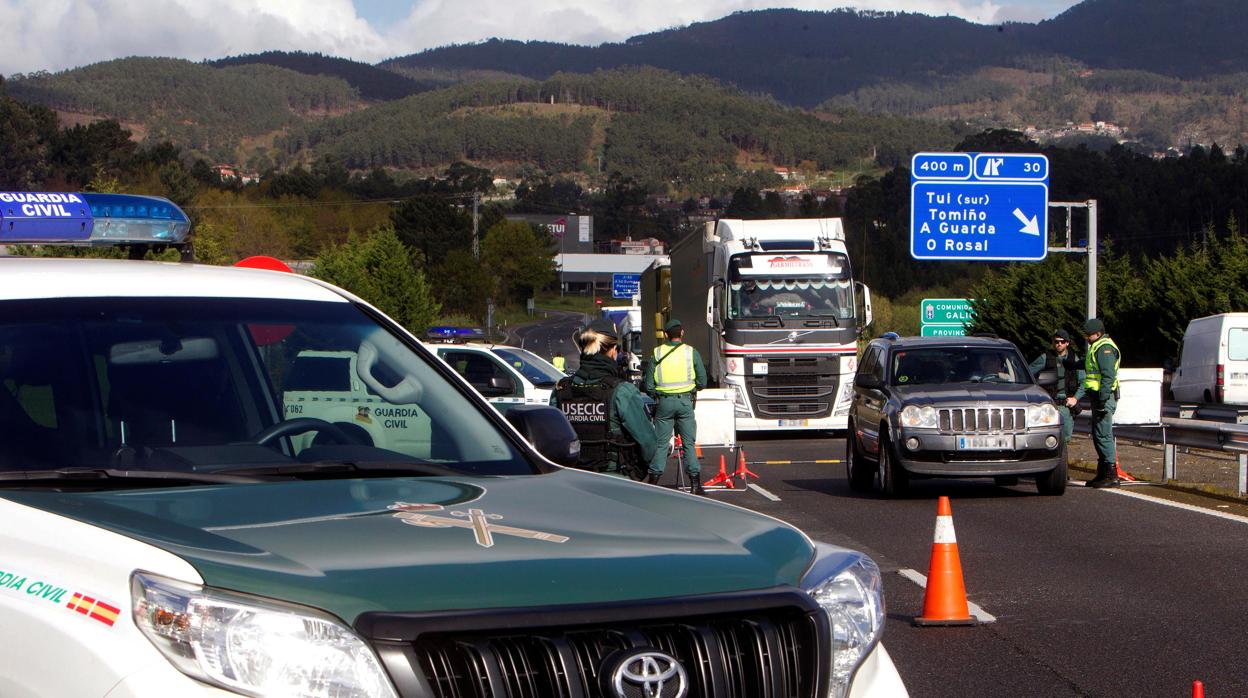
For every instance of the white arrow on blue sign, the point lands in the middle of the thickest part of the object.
(979, 206)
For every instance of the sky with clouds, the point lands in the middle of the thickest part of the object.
(59, 34)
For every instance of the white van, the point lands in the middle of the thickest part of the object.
(1213, 366)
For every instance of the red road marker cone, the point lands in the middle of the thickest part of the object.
(742, 471)
(1122, 474)
(722, 478)
(697, 448)
(944, 601)
(1198, 689)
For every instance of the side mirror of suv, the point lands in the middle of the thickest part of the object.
(866, 380)
(1047, 378)
(548, 430)
(498, 386)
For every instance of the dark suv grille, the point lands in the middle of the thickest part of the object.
(983, 420)
(767, 653)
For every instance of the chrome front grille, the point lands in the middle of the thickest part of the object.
(983, 420)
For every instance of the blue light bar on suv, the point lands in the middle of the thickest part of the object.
(49, 218)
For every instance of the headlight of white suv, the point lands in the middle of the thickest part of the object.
(254, 646)
(847, 586)
(920, 417)
(1043, 416)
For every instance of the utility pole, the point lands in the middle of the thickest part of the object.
(476, 243)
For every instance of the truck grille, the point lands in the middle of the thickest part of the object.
(770, 653)
(794, 386)
(984, 420)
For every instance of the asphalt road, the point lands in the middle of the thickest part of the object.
(552, 334)
(1096, 593)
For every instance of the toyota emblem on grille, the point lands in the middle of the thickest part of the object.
(647, 673)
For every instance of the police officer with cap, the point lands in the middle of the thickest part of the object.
(606, 411)
(674, 376)
(1101, 382)
(1070, 376)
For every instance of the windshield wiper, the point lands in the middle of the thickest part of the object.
(98, 474)
(347, 468)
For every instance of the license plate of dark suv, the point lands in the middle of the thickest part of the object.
(999, 442)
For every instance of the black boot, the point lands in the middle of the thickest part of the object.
(653, 478)
(695, 486)
(1106, 476)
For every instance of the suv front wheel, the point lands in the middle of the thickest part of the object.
(893, 478)
(857, 470)
(1053, 483)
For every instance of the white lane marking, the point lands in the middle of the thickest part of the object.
(764, 492)
(918, 578)
(1180, 505)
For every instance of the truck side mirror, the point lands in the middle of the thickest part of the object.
(866, 318)
(548, 430)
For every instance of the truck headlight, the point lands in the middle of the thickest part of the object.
(919, 417)
(253, 646)
(1043, 416)
(851, 593)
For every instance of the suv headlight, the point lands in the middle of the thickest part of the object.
(919, 417)
(253, 646)
(1043, 416)
(852, 595)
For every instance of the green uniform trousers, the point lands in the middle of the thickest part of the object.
(1103, 431)
(1068, 422)
(675, 410)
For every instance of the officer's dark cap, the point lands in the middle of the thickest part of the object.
(1093, 326)
(604, 326)
(1062, 335)
(672, 325)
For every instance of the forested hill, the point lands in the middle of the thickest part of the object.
(373, 83)
(644, 123)
(804, 58)
(205, 109)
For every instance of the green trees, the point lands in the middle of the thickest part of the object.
(1146, 302)
(518, 258)
(381, 270)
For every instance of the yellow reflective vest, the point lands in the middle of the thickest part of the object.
(1092, 381)
(673, 369)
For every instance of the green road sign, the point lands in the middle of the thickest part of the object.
(945, 311)
(944, 331)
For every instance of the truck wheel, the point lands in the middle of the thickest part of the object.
(893, 479)
(856, 470)
(1053, 483)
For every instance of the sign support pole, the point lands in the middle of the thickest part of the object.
(1090, 250)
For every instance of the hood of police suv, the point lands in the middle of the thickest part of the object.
(963, 394)
(428, 544)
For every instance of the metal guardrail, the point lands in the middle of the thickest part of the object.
(1174, 432)
(1234, 414)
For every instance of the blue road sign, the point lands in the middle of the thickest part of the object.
(979, 206)
(625, 285)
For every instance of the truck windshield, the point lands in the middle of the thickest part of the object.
(208, 383)
(790, 285)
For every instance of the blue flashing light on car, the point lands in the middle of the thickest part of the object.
(50, 218)
(455, 334)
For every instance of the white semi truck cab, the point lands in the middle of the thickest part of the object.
(776, 317)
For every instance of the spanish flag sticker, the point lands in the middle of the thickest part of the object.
(97, 610)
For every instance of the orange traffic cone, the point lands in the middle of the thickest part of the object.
(697, 448)
(722, 478)
(1122, 474)
(742, 471)
(1198, 689)
(944, 602)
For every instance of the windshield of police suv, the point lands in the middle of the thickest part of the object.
(206, 383)
(957, 365)
(784, 284)
(537, 370)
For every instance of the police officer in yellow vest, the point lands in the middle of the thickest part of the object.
(560, 362)
(675, 374)
(1101, 382)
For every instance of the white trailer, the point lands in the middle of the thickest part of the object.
(772, 307)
